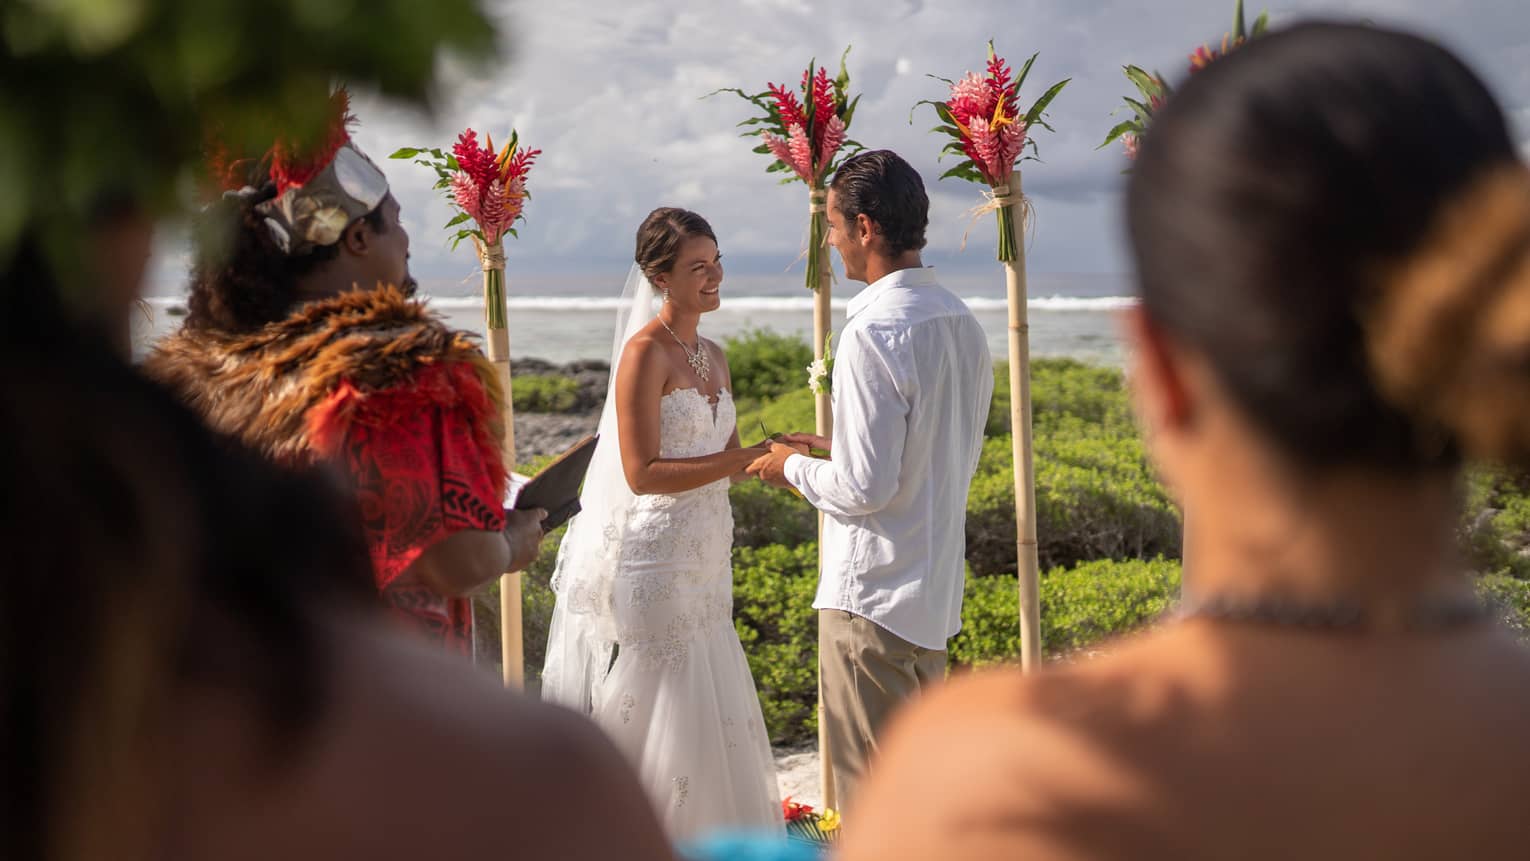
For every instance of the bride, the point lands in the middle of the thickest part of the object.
(642, 634)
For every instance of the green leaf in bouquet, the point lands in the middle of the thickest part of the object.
(1143, 112)
(842, 80)
(1025, 70)
(849, 112)
(1238, 31)
(1119, 130)
(966, 170)
(1033, 116)
(461, 217)
(406, 152)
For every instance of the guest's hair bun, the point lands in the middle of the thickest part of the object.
(1448, 330)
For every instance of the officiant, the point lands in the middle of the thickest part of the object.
(303, 341)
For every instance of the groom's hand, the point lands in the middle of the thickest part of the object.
(812, 441)
(771, 466)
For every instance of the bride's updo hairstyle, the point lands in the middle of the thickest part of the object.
(661, 235)
(1336, 218)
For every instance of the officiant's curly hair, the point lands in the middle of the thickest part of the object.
(882, 186)
(240, 279)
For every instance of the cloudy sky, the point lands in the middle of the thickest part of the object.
(611, 94)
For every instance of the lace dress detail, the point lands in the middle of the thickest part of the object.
(679, 699)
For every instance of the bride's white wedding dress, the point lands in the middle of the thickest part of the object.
(642, 633)
(679, 699)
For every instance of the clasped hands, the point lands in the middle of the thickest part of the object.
(770, 467)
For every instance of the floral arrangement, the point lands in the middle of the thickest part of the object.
(989, 131)
(821, 372)
(803, 823)
(1153, 89)
(806, 138)
(486, 188)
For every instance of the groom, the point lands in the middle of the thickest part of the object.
(911, 387)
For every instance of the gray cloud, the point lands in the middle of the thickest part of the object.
(610, 90)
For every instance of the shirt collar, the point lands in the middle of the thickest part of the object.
(919, 276)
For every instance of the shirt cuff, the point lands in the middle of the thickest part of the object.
(793, 467)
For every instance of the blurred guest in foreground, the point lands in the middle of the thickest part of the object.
(1335, 312)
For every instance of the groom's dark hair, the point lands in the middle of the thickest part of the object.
(885, 188)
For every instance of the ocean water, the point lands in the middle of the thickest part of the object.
(568, 317)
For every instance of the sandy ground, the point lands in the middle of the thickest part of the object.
(797, 773)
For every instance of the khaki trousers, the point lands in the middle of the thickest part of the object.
(866, 672)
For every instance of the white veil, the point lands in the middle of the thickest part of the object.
(582, 640)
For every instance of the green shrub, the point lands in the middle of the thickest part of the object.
(773, 590)
(789, 413)
(767, 515)
(1079, 607)
(1064, 388)
(1495, 524)
(765, 364)
(544, 393)
(1096, 498)
(1512, 598)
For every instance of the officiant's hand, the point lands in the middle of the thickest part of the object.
(771, 467)
(808, 439)
(523, 530)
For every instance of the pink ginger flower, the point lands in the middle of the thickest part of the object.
(795, 152)
(802, 153)
(495, 218)
(990, 154)
(465, 192)
(1011, 142)
(1130, 142)
(971, 98)
(833, 139)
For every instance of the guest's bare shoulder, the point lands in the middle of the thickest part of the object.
(456, 766)
(996, 762)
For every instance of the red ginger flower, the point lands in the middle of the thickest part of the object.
(475, 161)
(823, 106)
(786, 105)
(490, 189)
(998, 81)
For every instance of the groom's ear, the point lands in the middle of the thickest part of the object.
(865, 229)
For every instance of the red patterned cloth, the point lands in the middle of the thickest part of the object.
(369, 380)
(424, 466)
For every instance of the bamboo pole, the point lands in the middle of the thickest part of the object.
(498, 338)
(824, 426)
(1027, 568)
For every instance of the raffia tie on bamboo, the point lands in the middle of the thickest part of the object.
(995, 199)
(818, 201)
(490, 256)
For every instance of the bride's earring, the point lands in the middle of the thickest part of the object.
(666, 294)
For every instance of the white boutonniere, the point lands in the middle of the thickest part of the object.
(821, 372)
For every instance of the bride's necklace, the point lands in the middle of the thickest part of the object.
(697, 357)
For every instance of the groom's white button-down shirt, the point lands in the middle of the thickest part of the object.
(911, 388)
